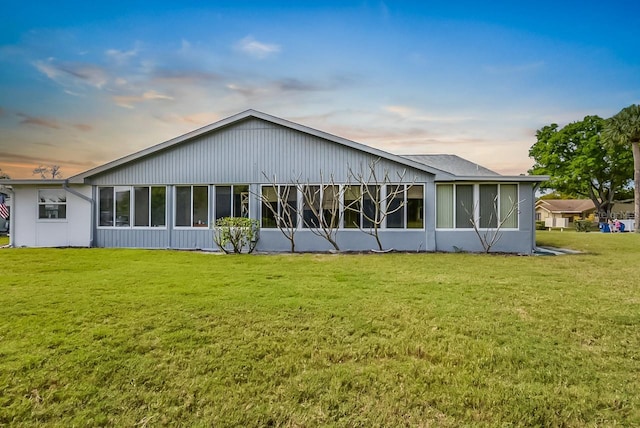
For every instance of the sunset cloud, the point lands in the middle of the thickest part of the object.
(38, 121)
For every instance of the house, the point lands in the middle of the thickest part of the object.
(169, 195)
(561, 212)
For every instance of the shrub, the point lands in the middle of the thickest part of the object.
(583, 225)
(236, 233)
(540, 225)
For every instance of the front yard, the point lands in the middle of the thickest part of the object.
(124, 337)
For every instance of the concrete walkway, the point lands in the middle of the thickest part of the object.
(553, 251)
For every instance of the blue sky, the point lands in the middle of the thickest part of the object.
(82, 84)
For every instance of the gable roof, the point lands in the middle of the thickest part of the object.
(443, 167)
(259, 115)
(568, 206)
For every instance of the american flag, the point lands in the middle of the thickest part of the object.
(4, 211)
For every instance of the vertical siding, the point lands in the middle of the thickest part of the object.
(240, 153)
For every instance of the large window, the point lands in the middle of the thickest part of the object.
(52, 204)
(126, 206)
(192, 206)
(232, 201)
(150, 206)
(457, 206)
(279, 204)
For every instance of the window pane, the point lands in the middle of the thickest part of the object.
(158, 206)
(240, 201)
(269, 207)
(415, 207)
(311, 206)
(508, 200)
(52, 204)
(370, 211)
(352, 204)
(488, 205)
(223, 201)
(200, 206)
(52, 195)
(464, 206)
(123, 207)
(289, 212)
(106, 206)
(183, 206)
(444, 206)
(141, 206)
(395, 206)
(331, 206)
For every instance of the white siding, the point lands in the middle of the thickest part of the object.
(29, 231)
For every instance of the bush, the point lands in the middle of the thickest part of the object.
(236, 233)
(583, 225)
(540, 225)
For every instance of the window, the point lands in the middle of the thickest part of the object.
(311, 206)
(415, 207)
(232, 201)
(489, 204)
(52, 204)
(279, 203)
(126, 206)
(395, 206)
(106, 206)
(405, 206)
(352, 207)
(370, 212)
(150, 206)
(192, 206)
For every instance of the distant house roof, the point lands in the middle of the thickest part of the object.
(567, 206)
(452, 164)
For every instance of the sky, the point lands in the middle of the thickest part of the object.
(83, 83)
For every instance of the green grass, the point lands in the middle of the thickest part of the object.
(123, 337)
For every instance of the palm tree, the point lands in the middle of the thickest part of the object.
(622, 129)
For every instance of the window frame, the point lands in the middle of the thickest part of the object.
(57, 204)
(132, 207)
(476, 205)
(191, 207)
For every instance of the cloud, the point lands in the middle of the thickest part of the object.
(184, 76)
(129, 101)
(198, 119)
(411, 114)
(83, 127)
(121, 57)
(257, 49)
(38, 121)
(72, 74)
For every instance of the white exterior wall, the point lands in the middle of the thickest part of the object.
(30, 231)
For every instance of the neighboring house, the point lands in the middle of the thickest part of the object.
(561, 212)
(169, 195)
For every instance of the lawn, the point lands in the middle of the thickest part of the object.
(151, 338)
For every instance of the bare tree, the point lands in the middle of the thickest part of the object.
(322, 213)
(489, 236)
(376, 206)
(281, 201)
(48, 171)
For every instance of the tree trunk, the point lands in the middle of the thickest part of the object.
(636, 182)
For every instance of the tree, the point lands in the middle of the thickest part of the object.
(3, 175)
(375, 205)
(48, 171)
(621, 130)
(579, 164)
(489, 236)
(280, 208)
(322, 212)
